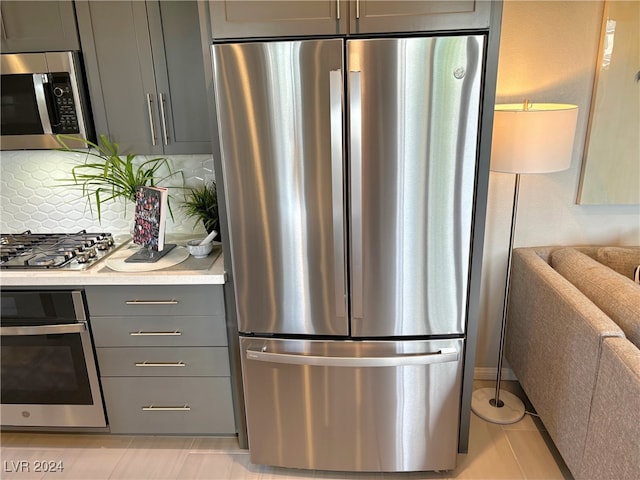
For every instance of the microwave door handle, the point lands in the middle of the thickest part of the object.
(39, 79)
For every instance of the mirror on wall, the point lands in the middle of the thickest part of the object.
(611, 163)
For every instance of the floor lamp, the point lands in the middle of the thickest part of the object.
(527, 138)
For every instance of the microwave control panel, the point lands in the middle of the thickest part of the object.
(66, 118)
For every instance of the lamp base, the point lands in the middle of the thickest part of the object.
(511, 411)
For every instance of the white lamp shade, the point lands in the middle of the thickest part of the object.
(536, 140)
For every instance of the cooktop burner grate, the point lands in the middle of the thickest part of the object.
(75, 251)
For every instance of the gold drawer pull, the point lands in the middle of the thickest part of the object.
(140, 333)
(151, 302)
(153, 408)
(160, 364)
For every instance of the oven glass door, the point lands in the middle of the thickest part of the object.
(21, 113)
(47, 363)
(44, 370)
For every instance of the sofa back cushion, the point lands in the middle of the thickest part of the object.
(614, 294)
(623, 260)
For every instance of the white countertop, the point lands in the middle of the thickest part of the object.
(191, 271)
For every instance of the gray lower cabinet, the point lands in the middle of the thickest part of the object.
(163, 358)
(247, 18)
(168, 405)
(47, 26)
(145, 70)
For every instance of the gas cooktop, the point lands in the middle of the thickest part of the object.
(70, 251)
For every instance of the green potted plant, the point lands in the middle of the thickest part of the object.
(107, 175)
(201, 203)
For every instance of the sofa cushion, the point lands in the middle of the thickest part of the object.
(621, 259)
(614, 294)
(612, 449)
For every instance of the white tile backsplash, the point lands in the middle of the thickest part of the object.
(33, 198)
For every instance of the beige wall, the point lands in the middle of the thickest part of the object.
(548, 53)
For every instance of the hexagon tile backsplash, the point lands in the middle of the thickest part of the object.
(32, 196)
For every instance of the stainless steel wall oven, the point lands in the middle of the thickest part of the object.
(48, 368)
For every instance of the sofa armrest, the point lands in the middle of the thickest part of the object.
(612, 449)
(553, 344)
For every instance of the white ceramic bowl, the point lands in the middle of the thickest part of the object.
(199, 251)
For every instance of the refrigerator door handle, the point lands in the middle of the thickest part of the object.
(444, 355)
(335, 98)
(355, 132)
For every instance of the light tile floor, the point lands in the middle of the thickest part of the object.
(519, 451)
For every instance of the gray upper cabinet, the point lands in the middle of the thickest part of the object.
(146, 77)
(375, 16)
(38, 26)
(242, 19)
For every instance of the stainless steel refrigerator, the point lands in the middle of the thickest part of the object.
(349, 170)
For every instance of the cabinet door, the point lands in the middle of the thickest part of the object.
(117, 52)
(146, 75)
(240, 18)
(180, 78)
(371, 16)
(38, 26)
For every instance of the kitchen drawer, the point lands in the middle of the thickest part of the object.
(169, 405)
(163, 361)
(159, 331)
(148, 300)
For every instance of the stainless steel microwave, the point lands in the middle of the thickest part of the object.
(43, 95)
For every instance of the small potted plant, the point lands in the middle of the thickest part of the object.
(201, 203)
(106, 175)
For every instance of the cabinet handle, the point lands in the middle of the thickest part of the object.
(160, 364)
(151, 302)
(357, 9)
(163, 119)
(153, 408)
(151, 125)
(337, 9)
(140, 333)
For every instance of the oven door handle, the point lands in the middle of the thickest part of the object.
(44, 329)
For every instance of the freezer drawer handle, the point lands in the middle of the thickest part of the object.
(153, 408)
(444, 355)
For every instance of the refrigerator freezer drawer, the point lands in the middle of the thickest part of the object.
(380, 406)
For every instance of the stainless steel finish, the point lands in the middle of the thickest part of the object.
(337, 191)
(44, 329)
(355, 137)
(160, 364)
(441, 356)
(163, 118)
(151, 123)
(39, 79)
(402, 156)
(140, 333)
(43, 63)
(63, 415)
(153, 408)
(275, 125)
(416, 210)
(152, 302)
(353, 418)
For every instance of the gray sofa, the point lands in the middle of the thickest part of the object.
(573, 342)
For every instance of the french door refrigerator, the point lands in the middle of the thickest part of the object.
(349, 173)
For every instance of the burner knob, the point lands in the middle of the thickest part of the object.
(91, 252)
